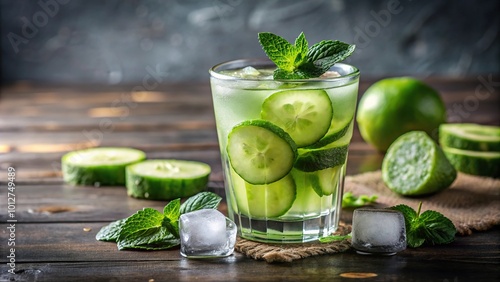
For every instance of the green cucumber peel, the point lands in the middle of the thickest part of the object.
(149, 229)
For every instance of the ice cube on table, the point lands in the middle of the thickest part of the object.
(206, 233)
(378, 231)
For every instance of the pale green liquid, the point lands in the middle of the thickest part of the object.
(310, 216)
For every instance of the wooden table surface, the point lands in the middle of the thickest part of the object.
(56, 223)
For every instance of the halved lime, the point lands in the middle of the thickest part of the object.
(260, 152)
(304, 114)
(166, 179)
(415, 165)
(470, 136)
(474, 162)
(103, 166)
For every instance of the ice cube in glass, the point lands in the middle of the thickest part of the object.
(206, 233)
(378, 231)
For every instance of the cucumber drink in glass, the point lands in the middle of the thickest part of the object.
(284, 144)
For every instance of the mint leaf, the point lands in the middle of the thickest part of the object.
(333, 238)
(351, 201)
(430, 227)
(171, 214)
(149, 229)
(437, 228)
(143, 228)
(111, 231)
(325, 54)
(298, 61)
(202, 200)
(280, 51)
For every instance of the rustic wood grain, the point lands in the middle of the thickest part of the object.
(57, 223)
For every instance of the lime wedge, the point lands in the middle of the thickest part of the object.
(415, 165)
(469, 136)
(474, 162)
(166, 179)
(104, 166)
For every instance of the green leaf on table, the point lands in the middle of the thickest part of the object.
(334, 238)
(149, 229)
(349, 200)
(202, 200)
(430, 227)
(111, 231)
(298, 61)
(171, 214)
(142, 228)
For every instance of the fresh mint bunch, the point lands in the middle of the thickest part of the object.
(298, 61)
(150, 229)
(430, 227)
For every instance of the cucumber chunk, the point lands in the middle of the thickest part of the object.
(264, 201)
(474, 162)
(304, 114)
(415, 165)
(469, 136)
(260, 152)
(334, 154)
(104, 166)
(166, 179)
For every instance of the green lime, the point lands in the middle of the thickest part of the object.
(103, 166)
(166, 179)
(394, 106)
(415, 165)
(474, 162)
(470, 136)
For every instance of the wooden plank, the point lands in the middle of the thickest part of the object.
(66, 251)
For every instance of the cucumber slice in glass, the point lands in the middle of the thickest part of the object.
(104, 166)
(264, 201)
(469, 136)
(260, 152)
(304, 114)
(166, 179)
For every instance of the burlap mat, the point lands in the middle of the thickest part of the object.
(471, 203)
(290, 252)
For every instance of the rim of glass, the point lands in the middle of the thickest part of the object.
(241, 63)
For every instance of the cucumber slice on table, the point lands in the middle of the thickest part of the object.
(415, 165)
(264, 201)
(166, 179)
(104, 166)
(469, 136)
(474, 162)
(304, 114)
(260, 152)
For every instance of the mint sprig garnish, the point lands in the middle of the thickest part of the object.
(298, 61)
(430, 227)
(150, 229)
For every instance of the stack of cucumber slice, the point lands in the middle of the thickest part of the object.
(148, 179)
(294, 139)
(472, 148)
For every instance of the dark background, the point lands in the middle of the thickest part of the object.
(120, 42)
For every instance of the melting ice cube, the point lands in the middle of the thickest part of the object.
(206, 233)
(378, 231)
